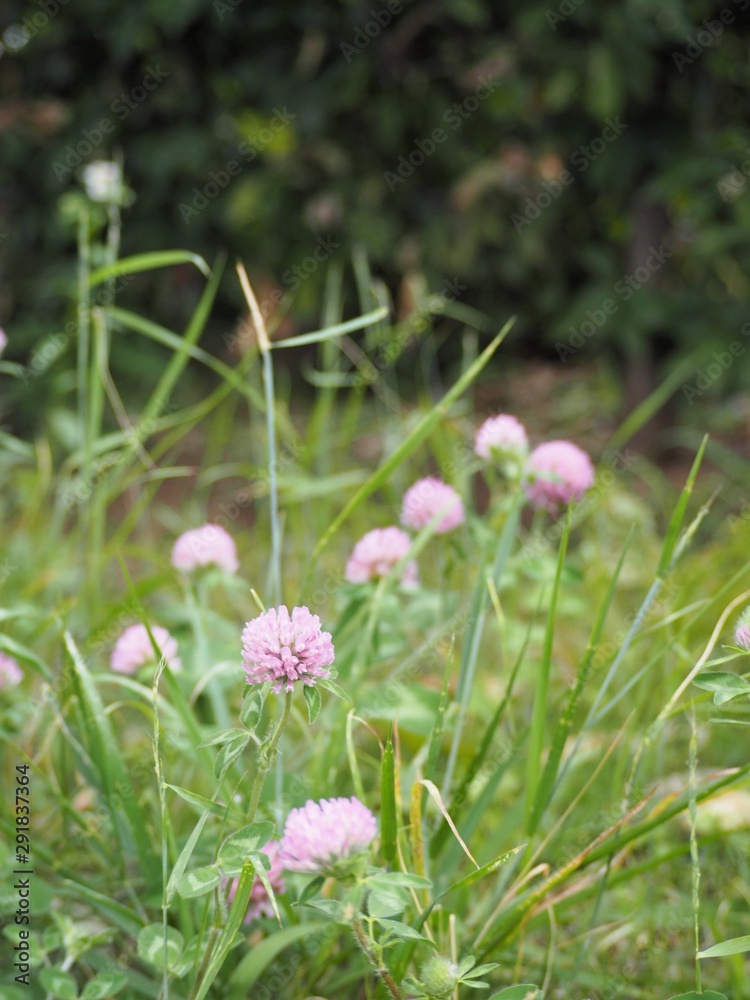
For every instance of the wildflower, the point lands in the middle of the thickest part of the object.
(426, 499)
(742, 630)
(559, 471)
(326, 836)
(377, 552)
(259, 904)
(103, 181)
(134, 649)
(3, 340)
(502, 439)
(209, 545)
(10, 673)
(283, 649)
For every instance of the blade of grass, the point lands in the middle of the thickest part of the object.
(436, 733)
(695, 868)
(727, 612)
(331, 332)
(652, 403)
(254, 964)
(83, 363)
(270, 406)
(461, 797)
(417, 436)
(176, 365)
(388, 818)
(170, 339)
(661, 814)
(549, 775)
(105, 754)
(670, 551)
(434, 794)
(539, 713)
(234, 922)
(675, 524)
(317, 425)
(148, 262)
(475, 630)
(351, 753)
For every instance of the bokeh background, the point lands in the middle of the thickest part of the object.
(583, 164)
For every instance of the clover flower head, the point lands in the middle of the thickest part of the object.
(259, 904)
(3, 340)
(439, 977)
(209, 545)
(284, 648)
(501, 438)
(10, 672)
(325, 837)
(557, 472)
(377, 552)
(742, 630)
(133, 649)
(102, 180)
(426, 499)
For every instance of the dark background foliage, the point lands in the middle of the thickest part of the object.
(325, 110)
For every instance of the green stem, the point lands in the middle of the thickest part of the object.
(375, 961)
(473, 638)
(694, 857)
(273, 496)
(213, 688)
(267, 756)
(82, 366)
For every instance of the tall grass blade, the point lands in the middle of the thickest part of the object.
(539, 714)
(423, 429)
(148, 262)
(549, 775)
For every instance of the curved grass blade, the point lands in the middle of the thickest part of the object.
(148, 262)
(254, 964)
(234, 922)
(652, 403)
(412, 442)
(331, 332)
(170, 339)
(105, 754)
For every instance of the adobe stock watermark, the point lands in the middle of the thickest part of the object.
(378, 21)
(581, 159)
(733, 184)
(121, 106)
(292, 278)
(53, 346)
(454, 117)
(248, 149)
(549, 537)
(721, 362)
(18, 35)
(83, 487)
(707, 35)
(387, 354)
(624, 289)
(735, 520)
(7, 569)
(565, 10)
(224, 7)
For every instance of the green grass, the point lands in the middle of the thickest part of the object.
(524, 724)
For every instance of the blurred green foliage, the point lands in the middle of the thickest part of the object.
(537, 152)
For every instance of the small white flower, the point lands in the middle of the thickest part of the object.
(103, 181)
